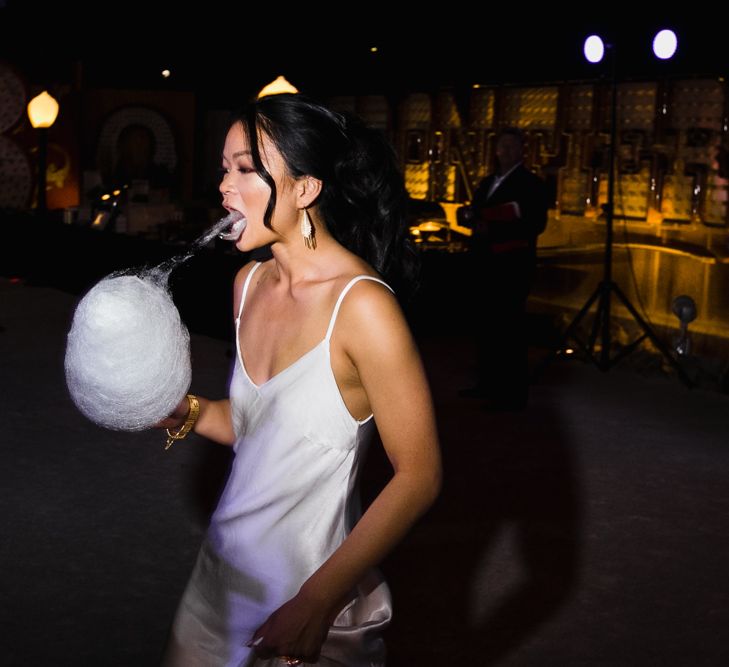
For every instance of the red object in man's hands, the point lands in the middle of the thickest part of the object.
(508, 211)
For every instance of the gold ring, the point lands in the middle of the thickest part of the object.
(289, 660)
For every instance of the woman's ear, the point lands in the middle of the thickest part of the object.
(308, 189)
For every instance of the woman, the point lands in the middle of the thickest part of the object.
(323, 353)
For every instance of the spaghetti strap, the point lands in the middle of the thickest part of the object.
(343, 293)
(245, 290)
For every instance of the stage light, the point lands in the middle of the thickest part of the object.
(665, 44)
(594, 49)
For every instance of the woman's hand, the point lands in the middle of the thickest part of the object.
(214, 420)
(178, 416)
(295, 630)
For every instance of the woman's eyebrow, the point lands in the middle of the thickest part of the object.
(236, 154)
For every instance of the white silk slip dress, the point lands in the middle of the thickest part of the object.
(291, 499)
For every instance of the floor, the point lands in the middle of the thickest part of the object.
(591, 529)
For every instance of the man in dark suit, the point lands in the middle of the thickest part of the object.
(508, 212)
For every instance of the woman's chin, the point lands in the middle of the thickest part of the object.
(246, 243)
(249, 240)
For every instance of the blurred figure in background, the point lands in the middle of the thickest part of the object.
(508, 212)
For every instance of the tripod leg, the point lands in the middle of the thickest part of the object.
(652, 336)
(569, 333)
(599, 322)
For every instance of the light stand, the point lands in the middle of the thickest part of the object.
(42, 167)
(42, 112)
(607, 286)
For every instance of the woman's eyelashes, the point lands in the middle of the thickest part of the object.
(241, 168)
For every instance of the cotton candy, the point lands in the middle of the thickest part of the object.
(128, 352)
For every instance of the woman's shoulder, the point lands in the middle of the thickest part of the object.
(240, 279)
(369, 315)
(365, 285)
(246, 269)
(357, 273)
(365, 294)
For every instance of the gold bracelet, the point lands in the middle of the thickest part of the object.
(192, 416)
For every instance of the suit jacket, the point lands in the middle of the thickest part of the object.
(495, 223)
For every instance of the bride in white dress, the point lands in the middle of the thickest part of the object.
(285, 573)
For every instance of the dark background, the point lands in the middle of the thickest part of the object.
(227, 50)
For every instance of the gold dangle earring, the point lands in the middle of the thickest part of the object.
(308, 231)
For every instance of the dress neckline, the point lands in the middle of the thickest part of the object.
(323, 344)
(279, 373)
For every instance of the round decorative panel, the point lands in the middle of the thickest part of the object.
(12, 97)
(16, 175)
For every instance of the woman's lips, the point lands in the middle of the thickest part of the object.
(235, 222)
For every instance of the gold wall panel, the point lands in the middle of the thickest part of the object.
(482, 108)
(579, 109)
(530, 108)
(696, 103)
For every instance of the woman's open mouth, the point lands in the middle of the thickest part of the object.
(235, 223)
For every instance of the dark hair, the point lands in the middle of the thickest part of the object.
(512, 132)
(363, 198)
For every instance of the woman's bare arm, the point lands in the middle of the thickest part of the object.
(390, 369)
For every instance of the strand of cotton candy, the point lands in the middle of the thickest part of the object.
(128, 354)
